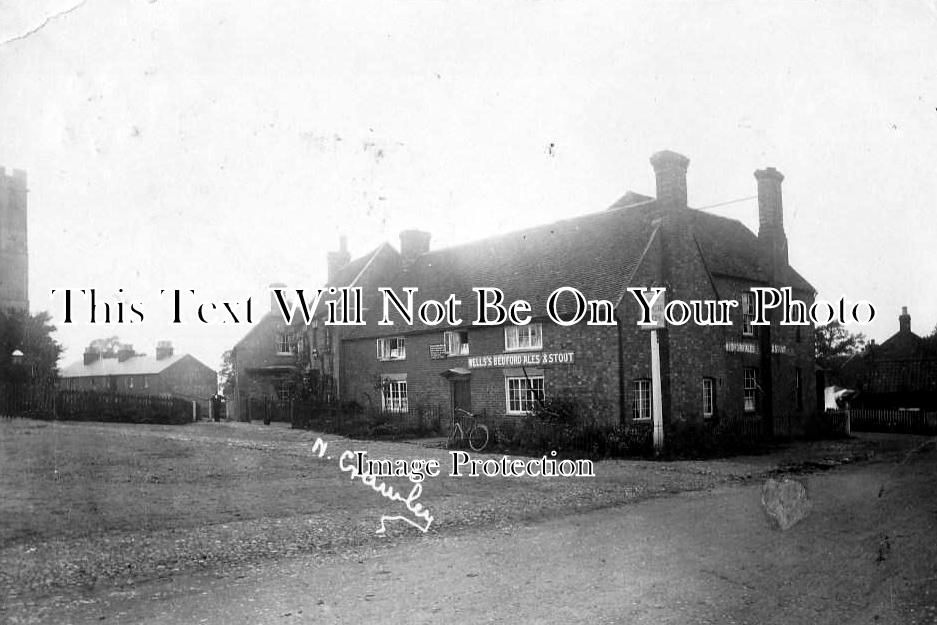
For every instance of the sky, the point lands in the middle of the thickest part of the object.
(224, 146)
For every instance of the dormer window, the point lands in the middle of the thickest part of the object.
(527, 337)
(283, 342)
(457, 342)
(391, 348)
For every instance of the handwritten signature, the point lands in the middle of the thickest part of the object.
(421, 517)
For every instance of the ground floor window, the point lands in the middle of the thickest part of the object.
(284, 391)
(641, 399)
(750, 388)
(709, 397)
(523, 394)
(799, 388)
(394, 395)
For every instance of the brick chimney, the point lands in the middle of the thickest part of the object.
(771, 217)
(413, 243)
(904, 320)
(274, 307)
(163, 350)
(125, 352)
(670, 171)
(336, 260)
(91, 355)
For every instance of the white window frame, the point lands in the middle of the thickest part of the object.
(392, 348)
(642, 401)
(522, 393)
(750, 389)
(523, 338)
(283, 340)
(456, 342)
(748, 313)
(394, 395)
(709, 397)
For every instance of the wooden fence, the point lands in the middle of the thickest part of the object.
(899, 421)
(69, 405)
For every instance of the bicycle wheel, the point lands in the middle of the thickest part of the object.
(478, 438)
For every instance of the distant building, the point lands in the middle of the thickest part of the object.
(266, 364)
(14, 265)
(901, 373)
(125, 371)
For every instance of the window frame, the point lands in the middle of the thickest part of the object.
(642, 399)
(709, 396)
(748, 313)
(750, 390)
(514, 332)
(526, 396)
(799, 388)
(283, 339)
(457, 347)
(385, 351)
(393, 399)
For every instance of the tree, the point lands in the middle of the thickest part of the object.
(226, 375)
(31, 335)
(834, 345)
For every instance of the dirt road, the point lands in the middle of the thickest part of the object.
(867, 553)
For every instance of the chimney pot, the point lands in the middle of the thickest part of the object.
(904, 320)
(670, 172)
(336, 260)
(163, 350)
(413, 243)
(274, 307)
(771, 219)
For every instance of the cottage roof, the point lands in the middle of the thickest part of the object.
(595, 253)
(135, 365)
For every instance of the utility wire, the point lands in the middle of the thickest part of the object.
(742, 199)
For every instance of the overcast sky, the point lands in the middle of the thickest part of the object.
(222, 146)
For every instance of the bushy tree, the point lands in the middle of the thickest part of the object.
(834, 345)
(31, 335)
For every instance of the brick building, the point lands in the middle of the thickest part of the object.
(900, 373)
(125, 371)
(14, 265)
(266, 364)
(764, 373)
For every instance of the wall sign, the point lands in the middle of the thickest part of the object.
(524, 359)
(437, 352)
(745, 347)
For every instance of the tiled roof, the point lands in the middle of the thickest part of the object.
(137, 365)
(595, 253)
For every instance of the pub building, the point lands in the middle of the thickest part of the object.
(621, 371)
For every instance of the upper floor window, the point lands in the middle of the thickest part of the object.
(391, 348)
(130, 381)
(750, 389)
(283, 342)
(641, 399)
(748, 313)
(709, 397)
(523, 337)
(457, 342)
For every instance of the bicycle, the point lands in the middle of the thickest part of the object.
(476, 435)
